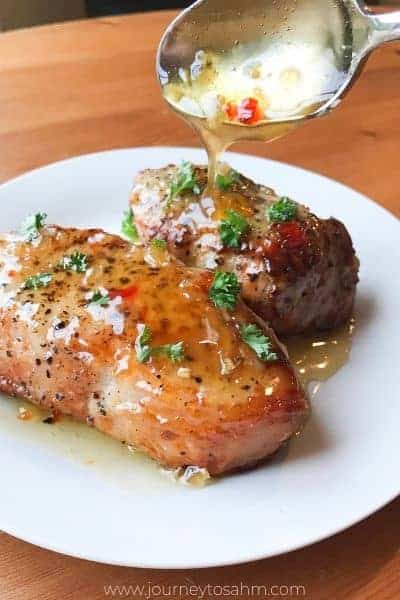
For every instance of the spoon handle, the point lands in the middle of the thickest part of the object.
(386, 27)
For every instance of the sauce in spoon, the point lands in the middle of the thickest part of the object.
(231, 98)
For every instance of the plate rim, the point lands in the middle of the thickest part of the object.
(165, 566)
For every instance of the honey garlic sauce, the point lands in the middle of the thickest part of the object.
(115, 464)
(233, 96)
(319, 356)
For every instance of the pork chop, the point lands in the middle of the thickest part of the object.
(297, 271)
(144, 349)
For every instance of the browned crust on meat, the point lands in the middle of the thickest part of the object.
(297, 286)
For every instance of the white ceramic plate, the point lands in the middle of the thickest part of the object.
(67, 490)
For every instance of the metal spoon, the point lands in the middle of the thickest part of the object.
(326, 40)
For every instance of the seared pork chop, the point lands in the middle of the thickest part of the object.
(134, 343)
(297, 271)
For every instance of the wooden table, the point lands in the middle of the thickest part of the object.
(86, 86)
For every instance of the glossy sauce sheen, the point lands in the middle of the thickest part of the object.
(227, 409)
(319, 356)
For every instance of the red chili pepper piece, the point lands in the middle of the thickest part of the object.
(231, 110)
(249, 111)
(125, 293)
(272, 249)
(293, 234)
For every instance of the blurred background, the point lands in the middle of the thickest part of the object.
(26, 13)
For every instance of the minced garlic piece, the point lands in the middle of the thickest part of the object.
(184, 372)
(193, 476)
(227, 365)
(24, 414)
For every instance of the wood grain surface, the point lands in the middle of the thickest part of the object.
(81, 87)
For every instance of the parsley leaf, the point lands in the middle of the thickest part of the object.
(128, 226)
(185, 180)
(260, 343)
(77, 262)
(142, 343)
(99, 298)
(32, 225)
(232, 228)
(172, 351)
(283, 209)
(224, 182)
(225, 290)
(144, 350)
(37, 281)
(159, 244)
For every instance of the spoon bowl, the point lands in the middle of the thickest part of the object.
(300, 55)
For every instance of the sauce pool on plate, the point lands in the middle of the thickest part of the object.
(316, 359)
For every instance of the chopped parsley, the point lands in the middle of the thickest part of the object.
(142, 344)
(128, 226)
(99, 298)
(260, 343)
(232, 228)
(77, 262)
(185, 180)
(224, 182)
(159, 244)
(172, 351)
(38, 281)
(283, 209)
(32, 226)
(224, 290)
(144, 350)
